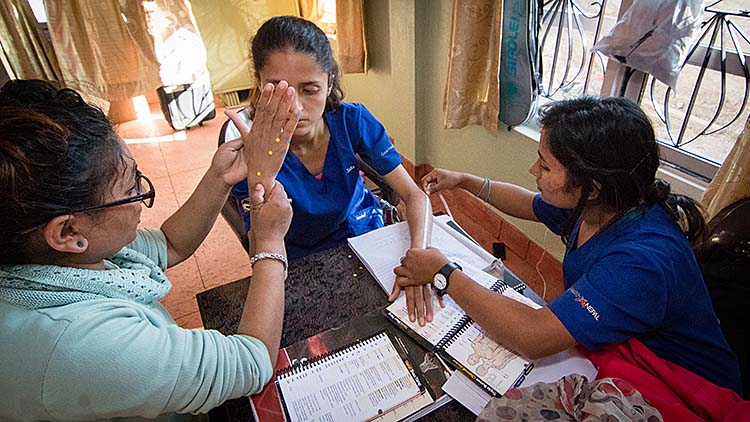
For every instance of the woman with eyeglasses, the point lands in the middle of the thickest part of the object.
(82, 333)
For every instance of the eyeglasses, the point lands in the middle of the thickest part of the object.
(146, 197)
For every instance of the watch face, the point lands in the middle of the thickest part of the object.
(439, 281)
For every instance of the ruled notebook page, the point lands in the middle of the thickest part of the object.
(354, 384)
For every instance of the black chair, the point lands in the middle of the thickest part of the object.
(388, 197)
(724, 257)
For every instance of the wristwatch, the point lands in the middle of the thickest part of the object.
(440, 279)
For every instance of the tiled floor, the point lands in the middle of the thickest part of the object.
(175, 161)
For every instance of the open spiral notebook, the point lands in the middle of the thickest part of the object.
(358, 382)
(457, 338)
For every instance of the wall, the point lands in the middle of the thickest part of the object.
(388, 88)
(408, 43)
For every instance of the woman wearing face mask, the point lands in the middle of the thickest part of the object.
(320, 173)
(82, 333)
(628, 269)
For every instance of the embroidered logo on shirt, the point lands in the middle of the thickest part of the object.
(585, 304)
(382, 154)
(350, 168)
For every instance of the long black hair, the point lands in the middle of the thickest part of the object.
(57, 154)
(291, 33)
(608, 144)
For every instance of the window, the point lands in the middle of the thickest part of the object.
(698, 123)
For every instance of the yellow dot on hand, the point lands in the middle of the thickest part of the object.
(277, 140)
(270, 152)
(257, 174)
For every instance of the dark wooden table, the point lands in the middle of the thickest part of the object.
(323, 291)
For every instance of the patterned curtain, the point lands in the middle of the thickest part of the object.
(472, 92)
(347, 36)
(732, 182)
(26, 52)
(104, 47)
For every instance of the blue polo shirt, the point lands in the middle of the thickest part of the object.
(339, 205)
(639, 278)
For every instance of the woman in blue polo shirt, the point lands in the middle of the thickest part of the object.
(320, 172)
(628, 269)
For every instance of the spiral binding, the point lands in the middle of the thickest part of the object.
(326, 357)
(457, 329)
(499, 286)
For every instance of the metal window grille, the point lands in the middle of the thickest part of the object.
(699, 122)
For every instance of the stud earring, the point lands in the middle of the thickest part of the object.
(80, 244)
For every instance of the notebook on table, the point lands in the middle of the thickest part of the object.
(359, 382)
(461, 341)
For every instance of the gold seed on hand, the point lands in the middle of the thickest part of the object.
(270, 152)
(258, 174)
(278, 140)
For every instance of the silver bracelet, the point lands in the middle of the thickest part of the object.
(487, 197)
(485, 183)
(269, 255)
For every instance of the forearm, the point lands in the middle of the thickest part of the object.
(416, 216)
(510, 199)
(263, 312)
(533, 333)
(186, 229)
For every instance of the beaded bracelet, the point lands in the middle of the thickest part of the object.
(269, 255)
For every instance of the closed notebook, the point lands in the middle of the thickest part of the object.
(456, 337)
(358, 382)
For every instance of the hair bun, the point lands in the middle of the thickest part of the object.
(658, 191)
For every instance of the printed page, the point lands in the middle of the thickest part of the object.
(444, 318)
(356, 385)
(492, 363)
(381, 250)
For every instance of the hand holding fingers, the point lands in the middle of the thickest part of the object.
(401, 271)
(238, 123)
(229, 162)
(271, 218)
(422, 264)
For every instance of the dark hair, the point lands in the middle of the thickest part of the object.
(284, 33)
(57, 154)
(610, 142)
